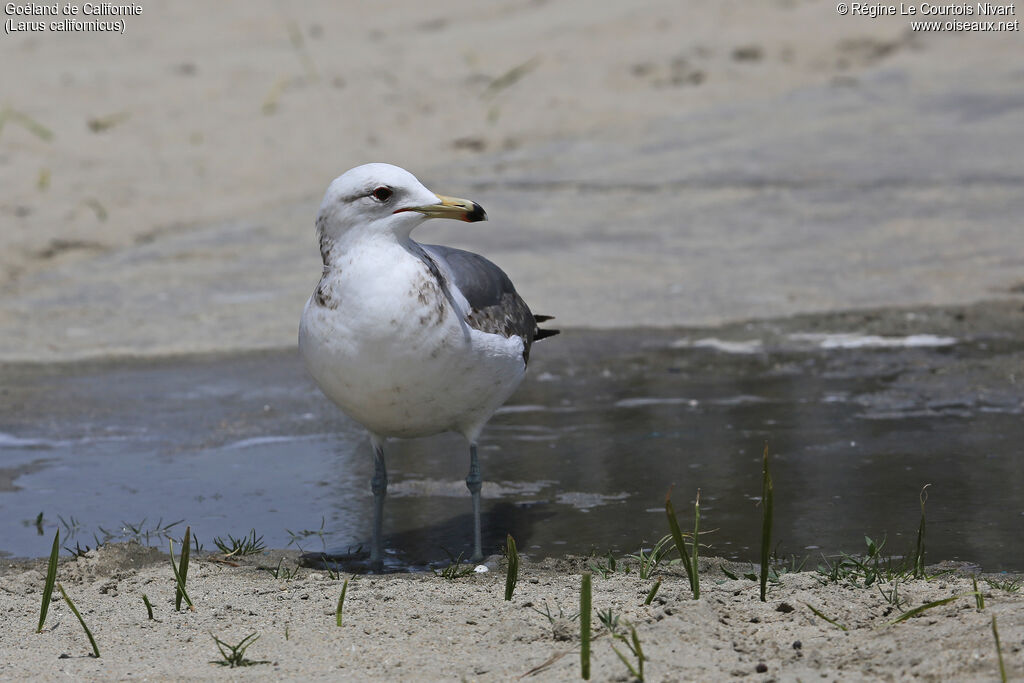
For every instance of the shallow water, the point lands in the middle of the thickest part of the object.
(579, 461)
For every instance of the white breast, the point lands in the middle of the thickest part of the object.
(384, 343)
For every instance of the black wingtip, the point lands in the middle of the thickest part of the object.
(540, 333)
(544, 334)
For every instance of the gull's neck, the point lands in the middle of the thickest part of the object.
(334, 247)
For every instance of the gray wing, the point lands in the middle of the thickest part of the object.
(495, 306)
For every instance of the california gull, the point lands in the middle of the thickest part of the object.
(410, 339)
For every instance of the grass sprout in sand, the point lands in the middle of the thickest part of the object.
(689, 559)
(149, 607)
(1008, 585)
(88, 633)
(610, 621)
(182, 568)
(999, 650)
(455, 568)
(585, 603)
(234, 655)
(605, 568)
(818, 614)
(927, 606)
(51, 577)
(246, 545)
(341, 603)
(892, 595)
(551, 617)
(872, 567)
(281, 572)
(648, 562)
(179, 579)
(632, 643)
(512, 575)
(651, 593)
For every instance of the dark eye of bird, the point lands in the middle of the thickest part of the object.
(382, 194)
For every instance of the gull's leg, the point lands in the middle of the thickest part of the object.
(474, 482)
(379, 485)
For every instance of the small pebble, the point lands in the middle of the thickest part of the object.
(761, 667)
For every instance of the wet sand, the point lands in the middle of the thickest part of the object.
(860, 410)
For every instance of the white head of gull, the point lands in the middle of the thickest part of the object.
(410, 339)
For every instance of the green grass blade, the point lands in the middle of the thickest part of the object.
(29, 123)
(919, 550)
(220, 647)
(149, 606)
(512, 576)
(341, 603)
(51, 577)
(979, 599)
(653, 592)
(234, 655)
(177, 577)
(767, 503)
(822, 616)
(927, 606)
(695, 574)
(585, 605)
(183, 567)
(92, 641)
(639, 652)
(677, 536)
(999, 650)
(633, 672)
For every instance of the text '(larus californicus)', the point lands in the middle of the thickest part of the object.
(410, 339)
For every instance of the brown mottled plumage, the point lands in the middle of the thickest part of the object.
(495, 306)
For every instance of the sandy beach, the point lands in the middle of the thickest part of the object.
(425, 627)
(651, 165)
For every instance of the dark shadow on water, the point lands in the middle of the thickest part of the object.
(429, 547)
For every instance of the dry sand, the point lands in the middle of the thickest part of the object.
(653, 163)
(424, 627)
